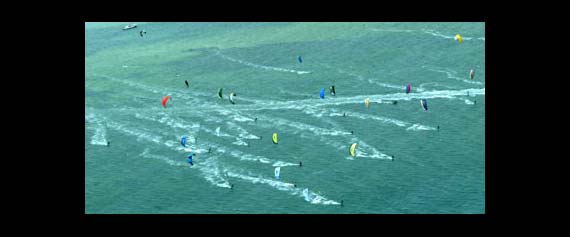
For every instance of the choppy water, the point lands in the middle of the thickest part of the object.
(144, 169)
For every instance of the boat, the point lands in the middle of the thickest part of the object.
(130, 26)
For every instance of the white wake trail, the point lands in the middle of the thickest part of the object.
(451, 74)
(209, 168)
(313, 197)
(260, 66)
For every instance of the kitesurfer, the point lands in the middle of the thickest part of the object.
(295, 185)
(210, 150)
(394, 102)
(472, 74)
(108, 143)
(475, 102)
(438, 128)
(341, 203)
(231, 186)
(255, 120)
(352, 132)
(344, 114)
(186, 81)
(300, 164)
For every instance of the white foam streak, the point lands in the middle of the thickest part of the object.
(99, 137)
(241, 118)
(419, 127)
(438, 34)
(377, 118)
(141, 135)
(367, 151)
(211, 170)
(175, 96)
(428, 31)
(242, 132)
(174, 123)
(390, 30)
(453, 75)
(369, 80)
(305, 127)
(261, 66)
(240, 142)
(314, 198)
(283, 164)
(145, 154)
(311, 103)
(208, 167)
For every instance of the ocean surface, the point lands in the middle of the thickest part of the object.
(403, 163)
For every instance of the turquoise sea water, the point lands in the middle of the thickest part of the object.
(144, 168)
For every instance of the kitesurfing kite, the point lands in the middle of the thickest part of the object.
(232, 97)
(458, 38)
(183, 141)
(408, 88)
(277, 172)
(322, 94)
(352, 150)
(220, 93)
(423, 102)
(274, 138)
(367, 102)
(164, 100)
(189, 159)
(300, 59)
(472, 74)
